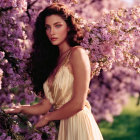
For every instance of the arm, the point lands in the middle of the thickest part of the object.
(81, 70)
(37, 109)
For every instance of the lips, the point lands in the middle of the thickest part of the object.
(53, 38)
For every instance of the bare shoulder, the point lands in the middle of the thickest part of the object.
(77, 49)
(78, 52)
(79, 57)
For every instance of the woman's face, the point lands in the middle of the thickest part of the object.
(56, 29)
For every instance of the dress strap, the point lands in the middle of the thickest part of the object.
(67, 57)
(69, 54)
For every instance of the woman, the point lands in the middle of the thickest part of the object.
(62, 67)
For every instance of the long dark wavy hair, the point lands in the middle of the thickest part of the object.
(44, 56)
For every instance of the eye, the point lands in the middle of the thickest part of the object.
(58, 25)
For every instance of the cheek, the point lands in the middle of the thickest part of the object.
(47, 33)
(63, 32)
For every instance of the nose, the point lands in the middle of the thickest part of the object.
(52, 31)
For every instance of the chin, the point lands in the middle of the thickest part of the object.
(55, 43)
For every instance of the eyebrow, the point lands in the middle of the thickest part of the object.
(54, 23)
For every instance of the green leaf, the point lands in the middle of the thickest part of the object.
(22, 102)
(35, 101)
(14, 90)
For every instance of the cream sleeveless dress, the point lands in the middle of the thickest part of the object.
(82, 125)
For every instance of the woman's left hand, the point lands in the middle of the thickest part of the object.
(42, 122)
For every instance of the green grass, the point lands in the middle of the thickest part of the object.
(126, 126)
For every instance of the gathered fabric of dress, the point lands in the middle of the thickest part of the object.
(80, 126)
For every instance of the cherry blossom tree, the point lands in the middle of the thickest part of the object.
(110, 39)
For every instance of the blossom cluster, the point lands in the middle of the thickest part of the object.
(111, 90)
(112, 39)
(15, 49)
(19, 127)
(85, 9)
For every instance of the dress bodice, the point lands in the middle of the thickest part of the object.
(81, 125)
(60, 91)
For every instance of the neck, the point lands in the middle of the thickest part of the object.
(63, 48)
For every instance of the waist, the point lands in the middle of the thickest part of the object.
(57, 106)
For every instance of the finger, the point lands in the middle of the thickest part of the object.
(11, 111)
(8, 111)
(37, 126)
